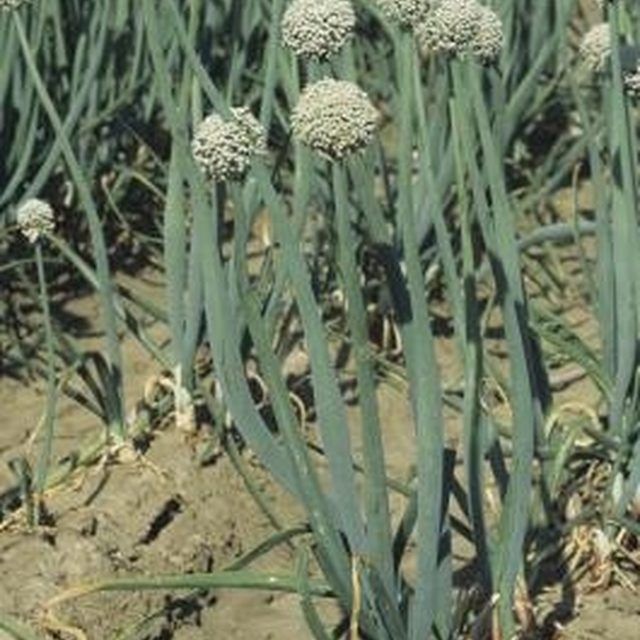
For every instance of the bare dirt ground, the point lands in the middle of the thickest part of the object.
(168, 514)
(163, 513)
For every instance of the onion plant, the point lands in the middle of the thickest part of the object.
(406, 127)
(614, 165)
(389, 605)
(35, 218)
(116, 419)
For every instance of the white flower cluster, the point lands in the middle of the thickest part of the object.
(9, 5)
(317, 29)
(461, 27)
(406, 13)
(34, 218)
(489, 38)
(334, 118)
(631, 81)
(224, 148)
(595, 49)
(595, 52)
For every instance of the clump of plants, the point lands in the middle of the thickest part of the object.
(418, 133)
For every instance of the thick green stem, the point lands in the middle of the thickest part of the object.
(425, 386)
(500, 237)
(44, 459)
(376, 499)
(472, 343)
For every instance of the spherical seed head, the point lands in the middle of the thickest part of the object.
(224, 148)
(595, 49)
(631, 81)
(405, 12)
(334, 118)
(34, 218)
(449, 28)
(317, 28)
(489, 38)
(8, 5)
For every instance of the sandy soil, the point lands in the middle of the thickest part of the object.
(168, 514)
(163, 513)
